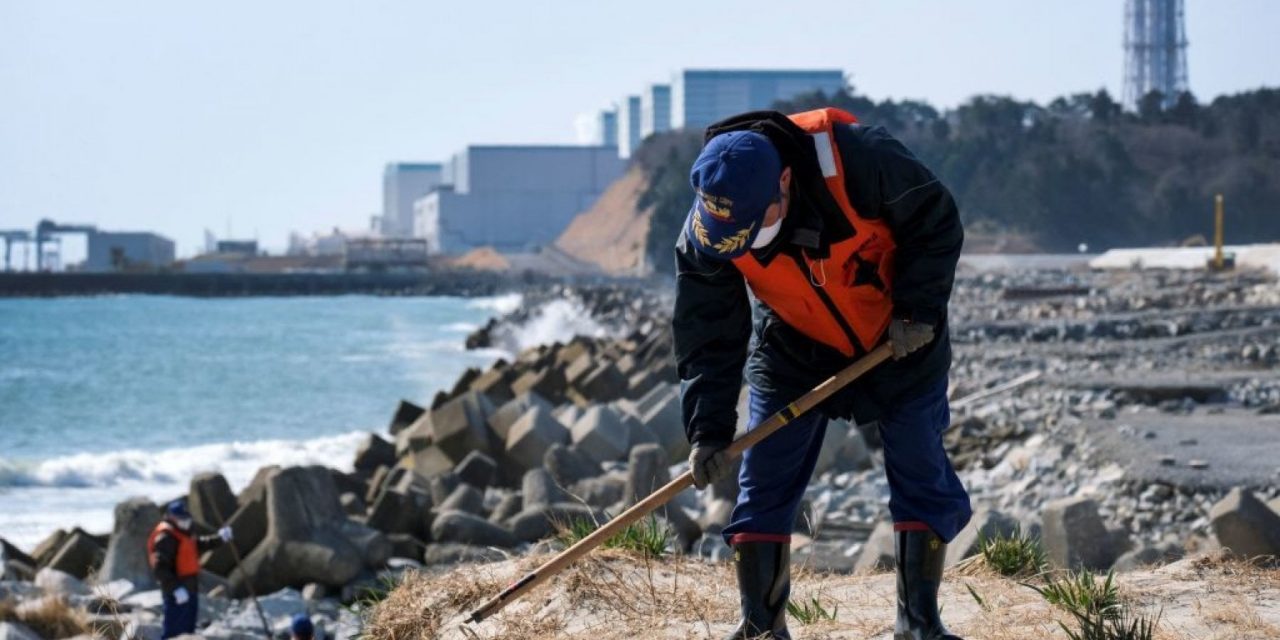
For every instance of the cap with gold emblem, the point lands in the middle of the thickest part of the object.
(734, 179)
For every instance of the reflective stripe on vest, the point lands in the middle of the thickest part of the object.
(187, 563)
(843, 301)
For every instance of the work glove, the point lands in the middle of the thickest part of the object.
(908, 336)
(226, 534)
(709, 463)
(180, 595)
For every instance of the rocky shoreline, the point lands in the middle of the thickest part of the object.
(1125, 418)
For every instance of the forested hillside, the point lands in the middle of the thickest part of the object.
(1078, 170)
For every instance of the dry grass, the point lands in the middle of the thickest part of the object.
(614, 594)
(50, 617)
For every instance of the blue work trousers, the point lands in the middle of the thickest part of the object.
(180, 619)
(924, 491)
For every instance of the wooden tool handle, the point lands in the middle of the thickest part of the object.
(685, 480)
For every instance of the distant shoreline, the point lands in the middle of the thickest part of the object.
(434, 283)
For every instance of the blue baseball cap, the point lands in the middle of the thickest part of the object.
(178, 509)
(734, 180)
(301, 626)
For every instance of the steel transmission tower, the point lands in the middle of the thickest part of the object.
(1155, 44)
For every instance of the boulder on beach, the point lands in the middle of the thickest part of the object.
(126, 557)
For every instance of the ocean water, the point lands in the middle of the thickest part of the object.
(102, 398)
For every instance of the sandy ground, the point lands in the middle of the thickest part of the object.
(619, 596)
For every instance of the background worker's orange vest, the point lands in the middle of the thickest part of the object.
(819, 298)
(188, 560)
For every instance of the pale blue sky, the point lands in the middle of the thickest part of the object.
(177, 116)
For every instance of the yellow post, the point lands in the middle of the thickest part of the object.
(1217, 233)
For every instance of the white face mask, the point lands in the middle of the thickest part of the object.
(767, 235)
(184, 523)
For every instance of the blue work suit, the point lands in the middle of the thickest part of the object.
(924, 490)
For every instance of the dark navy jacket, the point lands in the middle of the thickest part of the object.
(716, 335)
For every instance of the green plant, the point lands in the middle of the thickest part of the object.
(1014, 555)
(1082, 595)
(811, 611)
(1113, 623)
(650, 536)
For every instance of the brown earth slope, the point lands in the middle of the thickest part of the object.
(612, 232)
(611, 595)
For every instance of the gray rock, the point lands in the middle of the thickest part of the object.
(465, 528)
(568, 465)
(477, 469)
(878, 552)
(126, 558)
(309, 538)
(454, 553)
(464, 498)
(508, 505)
(984, 524)
(399, 511)
(531, 436)
(602, 492)
(600, 434)
(602, 384)
(531, 525)
(405, 415)
(660, 414)
(430, 461)
(539, 489)
(548, 383)
(500, 421)
(1245, 525)
(374, 452)
(47, 548)
(248, 524)
(646, 472)
(210, 500)
(16, 631)
(54, 582)
(716, 516)
(1149, 555)
(79, 555)
(460, 425)
(494, 383)
(1074, 536)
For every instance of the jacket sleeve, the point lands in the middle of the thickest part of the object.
(164, 558)
(211, 541)
(925, 222)
(712, 327)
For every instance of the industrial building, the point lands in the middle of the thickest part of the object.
(629, 126)
(402, 184)
(126, 251)
(655, 110)
(513, 198)
(606, 132)
(700, 97)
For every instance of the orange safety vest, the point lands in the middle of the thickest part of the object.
(188, 560)
(819, 297)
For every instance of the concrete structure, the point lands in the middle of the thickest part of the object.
(513, 198)
(403, 183)
(1155, 45)
(242, 247)
(122, 251)
(700, 97)
(655, 110)
(607, 128)
(628, 126)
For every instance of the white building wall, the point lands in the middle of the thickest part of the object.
(655, 110)
(628, 126)
(700, 97)
(402, 184)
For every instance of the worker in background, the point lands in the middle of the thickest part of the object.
(301, 627)
(844, 239)
(173, 550)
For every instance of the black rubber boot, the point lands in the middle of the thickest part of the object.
(764, 582)
(920, 558)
